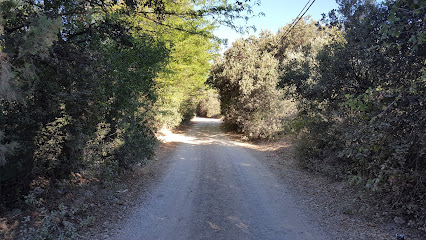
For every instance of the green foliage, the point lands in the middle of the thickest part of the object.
(246, 78)
(181, 85)
(63, 222)
(405, 21)
(98, 153)
(48, 156)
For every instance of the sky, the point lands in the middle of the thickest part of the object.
(278, 13)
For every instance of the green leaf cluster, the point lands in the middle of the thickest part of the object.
(246, 78)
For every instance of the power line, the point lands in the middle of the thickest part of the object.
(297, 19)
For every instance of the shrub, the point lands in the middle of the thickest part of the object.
(246, 79)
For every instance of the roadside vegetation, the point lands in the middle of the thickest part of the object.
(358, 81)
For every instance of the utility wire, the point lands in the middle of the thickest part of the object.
(297, 19)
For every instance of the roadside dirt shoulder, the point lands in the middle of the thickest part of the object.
(131, 189)
(342, 209)
(100, 208)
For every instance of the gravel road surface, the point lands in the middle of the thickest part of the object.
(215, 189)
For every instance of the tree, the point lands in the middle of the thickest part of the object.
(246, 79)
(179, 88)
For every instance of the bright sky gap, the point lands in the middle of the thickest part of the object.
(277, 15)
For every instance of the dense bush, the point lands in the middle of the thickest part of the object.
(66, 75)
(246, 78)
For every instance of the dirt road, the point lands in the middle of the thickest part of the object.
(215, 189)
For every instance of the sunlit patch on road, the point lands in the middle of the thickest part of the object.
(239, 224)
(246, 164)
(202, 136)
(166, 135)
(213, 120)
(213, 226)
